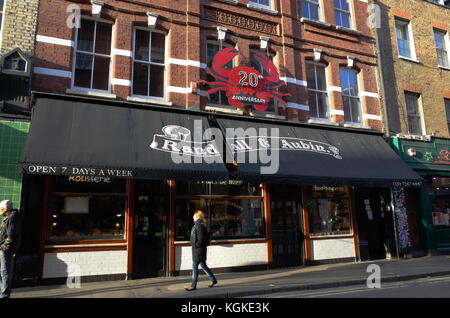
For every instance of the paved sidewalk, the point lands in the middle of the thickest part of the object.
(255, 283)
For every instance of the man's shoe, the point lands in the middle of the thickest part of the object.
(190, 288)
(212, 284)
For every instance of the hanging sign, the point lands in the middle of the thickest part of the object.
(245, 85)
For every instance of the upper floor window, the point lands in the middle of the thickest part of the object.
(404, 38)
(2, 3)
(342, 13)
(273, 103)
(447, 112)
(219, 97)
(317, 91)
(311, 9)
(149, 64)
(413, 113)
(262, 3)
(441, 48)
(350, 96)
(93, 55)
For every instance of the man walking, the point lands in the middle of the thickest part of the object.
(9, 241)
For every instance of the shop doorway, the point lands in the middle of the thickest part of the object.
(287, 234)
(375, 223)
(150, 229)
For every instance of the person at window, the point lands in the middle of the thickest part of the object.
(200, 239)
(9, 242)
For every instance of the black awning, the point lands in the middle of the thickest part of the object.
(316, 155)
(70, 137)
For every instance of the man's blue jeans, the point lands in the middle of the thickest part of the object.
(6, 272)
(205, 269)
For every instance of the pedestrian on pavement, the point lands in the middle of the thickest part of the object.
(9, 241)
(200, 239)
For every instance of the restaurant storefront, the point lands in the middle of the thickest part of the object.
(117, 187)
(431, 160)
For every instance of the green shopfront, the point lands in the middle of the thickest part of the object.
(430, 159)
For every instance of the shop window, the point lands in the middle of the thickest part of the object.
(234, 210)
(413, 113)
(218, 98)
(350, 96)
(317, 91)
(439, 195)
(93, 55)
(311, 9)
(329, 210)
(87, 208)
(273, 103)
(447, 112)
(342, 13)
(440, 39)
(404, 38)
(149, 64)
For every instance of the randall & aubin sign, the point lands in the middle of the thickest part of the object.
(243, 145)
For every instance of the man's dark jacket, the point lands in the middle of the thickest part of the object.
(9, 236)
(199, 241)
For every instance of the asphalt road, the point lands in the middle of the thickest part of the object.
(438, 287)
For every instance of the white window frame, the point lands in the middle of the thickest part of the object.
(419, 110)
(2, 24)
(446, 46)
(349, 12)
(85, 89)
(320, 91)
(409, 33)
(224, 45)
(156, 98)
(358, 80)
(312, 2)
(257, 4)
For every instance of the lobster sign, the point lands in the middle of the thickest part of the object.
(245, 85)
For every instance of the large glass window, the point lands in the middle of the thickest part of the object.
(403, 38)
(329, 210)
(439, 195)
(219, 97)
(342, 13)
(447, 112)
(1, 12)
(273, 103)
(234, 209)
(87, 208)
(317, 91)
(311, 9)
(441, 48)
(350, 96)
(413, 112)
(262, 3)
(93, 55)
(149, 64)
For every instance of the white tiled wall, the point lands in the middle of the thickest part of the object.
(333, 248)
(88, 263)
(227, 255)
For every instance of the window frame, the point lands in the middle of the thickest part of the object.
(2, 19)
(349, 13)
(94, 54)
(445, 42)
(164, 98)
(316, 91)
(312, 3)
(358, 97)
(258, 4)
(447, 112)
(419, 112)
(409, 33)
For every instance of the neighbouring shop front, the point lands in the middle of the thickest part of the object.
(113, 188)
(430, 159)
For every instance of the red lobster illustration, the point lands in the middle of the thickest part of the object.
(245, 85)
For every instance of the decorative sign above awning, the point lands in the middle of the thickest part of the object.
(245, 85)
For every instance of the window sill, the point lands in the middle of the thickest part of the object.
(235, 2)
(267, 115)
(148, 100)
(356, 125)
(261, 8)
(83, 92)
(321, 121)
(444, 68)
(348, 30)
(315, 22)
(220, 109)
(409, 59)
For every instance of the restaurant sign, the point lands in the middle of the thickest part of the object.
(245, 85)
(73, 172)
